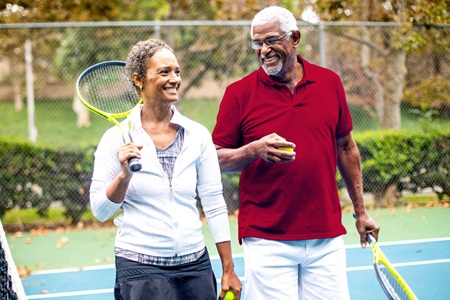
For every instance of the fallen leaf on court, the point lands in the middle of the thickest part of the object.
(60, 230)
(23, 271)
(39, 231)
(29, 240)
(62, 241)
(44, 292)
(19, 234)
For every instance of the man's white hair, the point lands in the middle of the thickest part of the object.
(287, 19)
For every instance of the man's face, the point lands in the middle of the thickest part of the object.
(275, 47)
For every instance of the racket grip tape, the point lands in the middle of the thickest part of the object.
(370, 238)
(135, 164)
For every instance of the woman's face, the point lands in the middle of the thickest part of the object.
(163, 78)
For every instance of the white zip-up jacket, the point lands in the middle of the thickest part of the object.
(159, 217)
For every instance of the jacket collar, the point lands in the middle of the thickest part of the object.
(177, 117)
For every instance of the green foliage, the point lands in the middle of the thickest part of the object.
(23, 11)
(428, 92)
(230, 183)
(82, 48)
(27, 219)
(426, 118)
(35, 177)
(411, 16)
(433, 170)
(409, 161)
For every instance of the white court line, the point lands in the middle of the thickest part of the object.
(87, 292)
(349, 269)
(404, 242)
(238, 255)
(407, 264)
(67, 270)
(70, 294)
(104, 291)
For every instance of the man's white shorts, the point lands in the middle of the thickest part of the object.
(288, 270)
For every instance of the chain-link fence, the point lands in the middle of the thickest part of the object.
(392, 79)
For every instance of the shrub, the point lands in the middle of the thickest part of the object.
(35, 177)
(407, 161)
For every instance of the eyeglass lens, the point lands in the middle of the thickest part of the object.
(269, 41)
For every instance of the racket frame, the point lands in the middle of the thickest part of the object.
(134, 163)
(380, 258)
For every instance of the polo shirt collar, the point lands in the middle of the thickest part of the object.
(309, 73)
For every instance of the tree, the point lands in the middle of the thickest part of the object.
(225, 57)
(412, 17)
(29, 11)
(69, 53)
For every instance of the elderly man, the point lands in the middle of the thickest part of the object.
(287, 128)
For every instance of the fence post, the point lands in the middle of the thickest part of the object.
(158, 30)
(32, 131)
(322, 45)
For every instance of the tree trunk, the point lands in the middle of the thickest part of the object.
(393, 82)
(371, 75)
(18, 100)
(385, 196)
(17, 82)
(83, 117)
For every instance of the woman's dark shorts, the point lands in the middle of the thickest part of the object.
(137, 281)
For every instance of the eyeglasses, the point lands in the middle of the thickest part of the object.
(255, 44)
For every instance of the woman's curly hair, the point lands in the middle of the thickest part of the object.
(141, 53)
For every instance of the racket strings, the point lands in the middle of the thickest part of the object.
(109, 89)
(392, 283)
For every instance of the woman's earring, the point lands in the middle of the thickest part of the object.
(141, 88)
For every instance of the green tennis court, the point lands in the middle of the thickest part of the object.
(61, 262)
(44, 250)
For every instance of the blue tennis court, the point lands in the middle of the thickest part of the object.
(424, 264)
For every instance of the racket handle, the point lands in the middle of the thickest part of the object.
(135, 164)
(370, 238)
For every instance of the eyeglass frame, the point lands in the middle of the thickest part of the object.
(272, 40)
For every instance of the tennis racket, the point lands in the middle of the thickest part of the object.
(106, 90)
(390, 280)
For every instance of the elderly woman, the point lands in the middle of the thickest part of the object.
(160, 249)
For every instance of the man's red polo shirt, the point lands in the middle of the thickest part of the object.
(297, 200)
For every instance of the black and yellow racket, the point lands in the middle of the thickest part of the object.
(106, 90)
(392, 283)
(390, 280)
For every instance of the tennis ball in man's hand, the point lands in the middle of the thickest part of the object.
(287, 149)
(229, 296)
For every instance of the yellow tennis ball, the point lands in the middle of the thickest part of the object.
(287, 149)
(229, 296)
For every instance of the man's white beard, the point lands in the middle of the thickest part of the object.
(273, 71)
